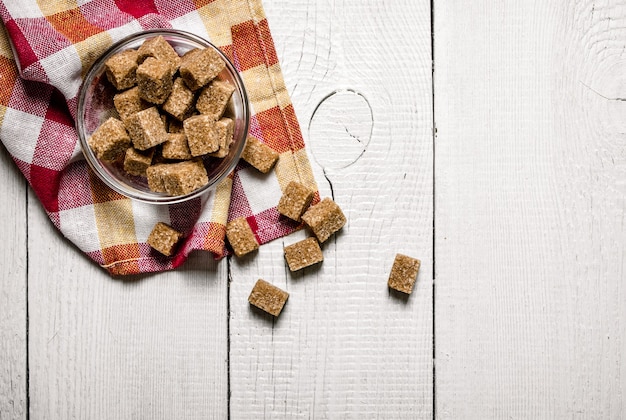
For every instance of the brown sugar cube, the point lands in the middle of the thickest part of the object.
(223, 151)
(164, 238)
(177, 178)
(303, 254)
(146, 128)
(184, 177)
(180, 101)
(199, 68)
(128, 102)
(268, 297)
(214, 98)
(295, 200)
(176, 147)
(159, 48)
(188, 54)
(136, 163)
(324, 219)
(109, 140)
(121, 68)
(154, 79)
(259, 154)
(241, 237)
(223, 130)
(403, 273)
(155, 175)
(201, 135)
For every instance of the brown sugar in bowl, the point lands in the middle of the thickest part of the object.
(95, 106)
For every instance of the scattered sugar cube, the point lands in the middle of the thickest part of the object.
(324, 219)
(259, 154)
(180, 101)
(268, 297)
(214, 98)
(200, 67)
(303, 254)
(136, 163)
(241, 237)
(154, 79)
(403, 273)
(128, 102)
(295, 200)
(176, 147)
(109, 140)
(146, 128)
(200, 135)
(121, 69)
(164, 238)
(160, 49)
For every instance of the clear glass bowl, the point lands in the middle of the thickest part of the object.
(95, 106)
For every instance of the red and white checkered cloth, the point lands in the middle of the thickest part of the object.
(46, 47)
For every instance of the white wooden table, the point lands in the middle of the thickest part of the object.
(515, 204)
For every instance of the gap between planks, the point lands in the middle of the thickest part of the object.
(26, 306)
(434, 133)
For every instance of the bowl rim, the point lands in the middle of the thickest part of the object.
(96, 165)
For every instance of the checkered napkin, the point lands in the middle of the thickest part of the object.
(45, 48)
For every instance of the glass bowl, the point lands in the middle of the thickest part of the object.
(95, 106)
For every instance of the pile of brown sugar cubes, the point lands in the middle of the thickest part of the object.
(323, 219)
(171, 115)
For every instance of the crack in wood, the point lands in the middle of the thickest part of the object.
(601, 95)
(327, 122)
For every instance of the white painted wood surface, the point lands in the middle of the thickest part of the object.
(530, 187)
(344, 347)
(152, 346)
(13, 378)
(530, 202)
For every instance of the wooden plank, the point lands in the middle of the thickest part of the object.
(344, 347)
(530, 203)
(13, 376)
(153, 346)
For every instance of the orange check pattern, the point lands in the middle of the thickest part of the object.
(46, 46)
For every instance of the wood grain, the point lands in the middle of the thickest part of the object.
(344, 347)
(530, 202)
(530, 236)
(13, 377)
(153, 346)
